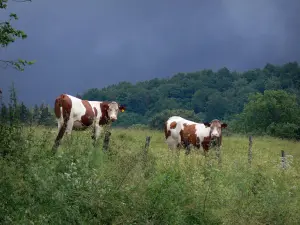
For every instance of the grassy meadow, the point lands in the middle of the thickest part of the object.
(81, 184)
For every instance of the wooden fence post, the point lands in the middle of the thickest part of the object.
(218, 152)
(147, 143)
(283, 159)
(250, 151)
(106, 141)
(145, 152)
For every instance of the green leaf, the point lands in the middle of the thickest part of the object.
(14, 16)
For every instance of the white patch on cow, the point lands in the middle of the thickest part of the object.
(215, 132)
(202, 131)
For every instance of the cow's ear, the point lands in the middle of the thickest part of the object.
(207, 124)
(224, 125)
(122, 108)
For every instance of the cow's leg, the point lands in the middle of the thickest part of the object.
(185, 142)
(172, 143)
(205, 147)
(60, 122)
(69, 129)
(60, 134)
(97, 129)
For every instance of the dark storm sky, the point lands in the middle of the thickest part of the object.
(94, 43)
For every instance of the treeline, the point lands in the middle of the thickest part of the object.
(202, 95)
(205, 93)
(16, 111)
(259, 101)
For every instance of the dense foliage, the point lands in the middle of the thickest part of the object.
(275, 113)
(205, 95)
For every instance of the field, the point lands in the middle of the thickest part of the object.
(83, 185)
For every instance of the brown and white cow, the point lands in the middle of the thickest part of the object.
(182, 132)
(73, 113)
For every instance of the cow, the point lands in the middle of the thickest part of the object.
(180, 132)
(73, 113)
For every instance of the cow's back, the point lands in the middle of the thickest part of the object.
(174, 127)
(71, 105)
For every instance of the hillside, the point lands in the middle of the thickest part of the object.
(208, 94)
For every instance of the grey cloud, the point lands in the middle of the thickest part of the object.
(80, 45)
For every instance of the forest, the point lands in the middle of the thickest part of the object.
(234, 97)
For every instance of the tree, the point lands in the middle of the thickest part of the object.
(8, 35)
(13, 105)
(35, 114)
(4, 113)
(24, 113)
(46, 118)
(274, 112)
(216, 106)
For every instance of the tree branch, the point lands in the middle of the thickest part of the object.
(6, 63)
(17, 64)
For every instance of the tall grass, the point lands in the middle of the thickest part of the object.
(83, 185)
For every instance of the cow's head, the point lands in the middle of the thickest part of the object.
(215, 128)
(111, 109)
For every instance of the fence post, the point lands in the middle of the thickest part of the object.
(106, 141)
(283, 159)
(250, 151)
(218, 152)
(145, 151)
(147, 143)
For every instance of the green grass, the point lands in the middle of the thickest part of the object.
(83, 185)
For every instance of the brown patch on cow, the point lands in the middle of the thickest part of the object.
(173, 125)
(206, 143)
(188, 134)
(104, 110)
(96, 112)
(88, 117)
(65, 102)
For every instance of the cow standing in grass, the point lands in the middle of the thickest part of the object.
(73, 113)
(182, 132)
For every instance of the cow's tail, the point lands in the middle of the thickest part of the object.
(58, 107)
(167, 134)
